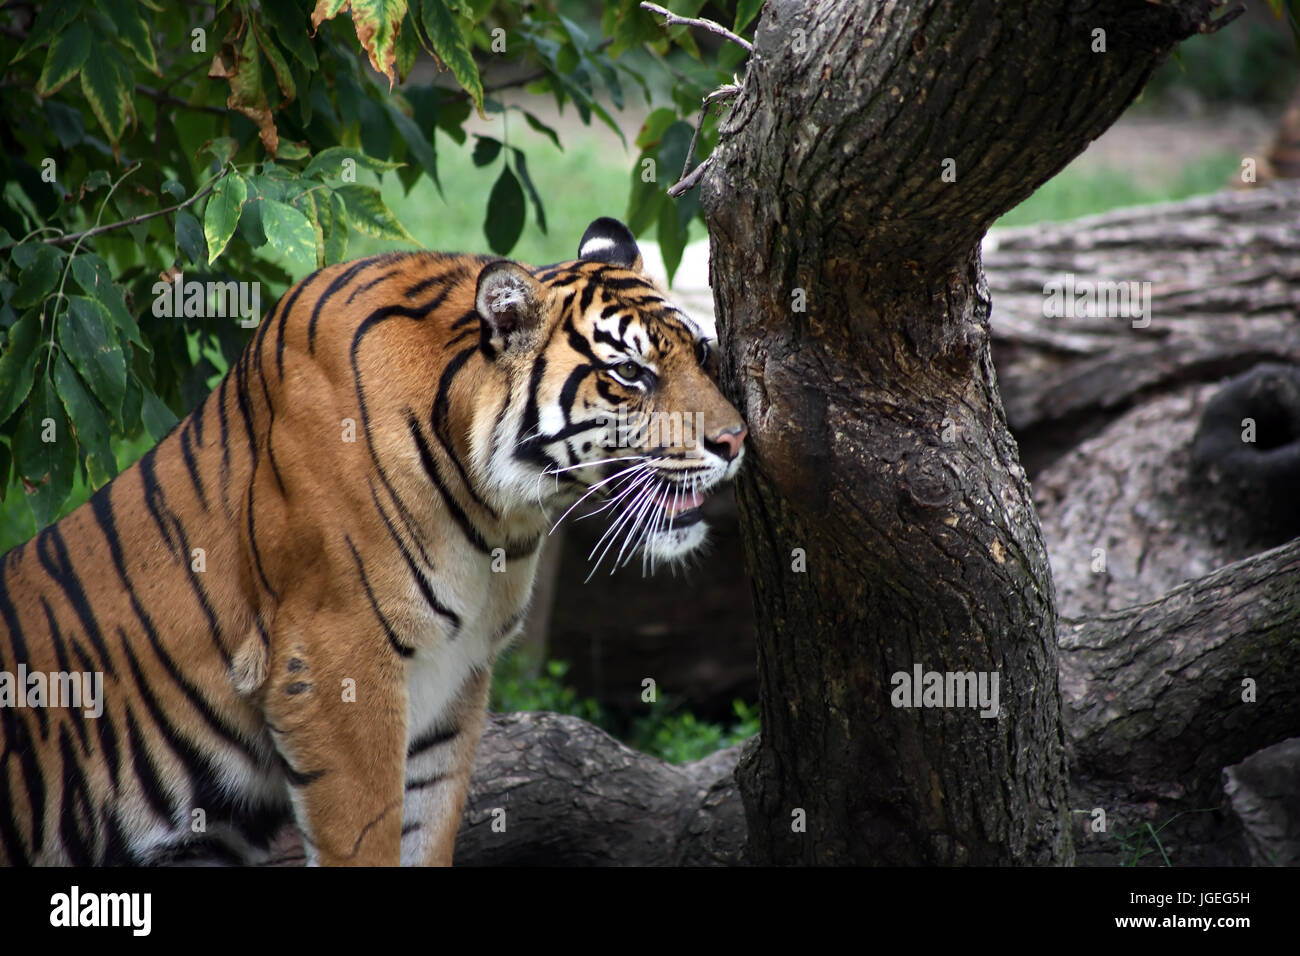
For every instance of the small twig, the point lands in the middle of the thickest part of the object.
(522, 80)
(723, 92)
(671, 19)
(1214, 26)
(691, 181)
(158, 96)
(136, 220)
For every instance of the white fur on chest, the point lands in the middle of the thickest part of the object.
(487, 602)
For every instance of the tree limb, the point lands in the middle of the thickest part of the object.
(672, 20)
(134, 220)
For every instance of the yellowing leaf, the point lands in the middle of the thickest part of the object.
(377, 22)
(105, 80)
(451, 47)
(238, 62)
(66, 56)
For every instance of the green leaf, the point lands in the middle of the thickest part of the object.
(505, 213)
(105, 82)
(50, 21)
(48, 466)
(38, 279)
(486, 150)
(336, 236)
(417, 141)
(190, 239)
(288, 231)
(542, 128)
(222, 214)
(644, 200)
(287, 21)
(369, 215)
(408, 47)
(157, 417)
(521, 167)
(18, 363)
(331, 162)
(652, 130)
(451, 48)
(672, 152)
(133, 30)
(92, 275)
(87, 417)
(65, 122)
(746, 10)
(283, 75)
(222, 148)
(64, 61)
(173, 189)
(672, 238)
(290, 150)
(86, 334)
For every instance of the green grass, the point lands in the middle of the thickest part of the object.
(1076, 192)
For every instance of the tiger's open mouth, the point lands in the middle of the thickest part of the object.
(680, 507)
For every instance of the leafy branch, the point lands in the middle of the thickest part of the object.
(143, 217)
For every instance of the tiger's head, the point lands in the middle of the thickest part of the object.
(614, 396)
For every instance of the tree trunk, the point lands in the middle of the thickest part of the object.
(887, 521)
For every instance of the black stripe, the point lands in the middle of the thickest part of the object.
(398, 646)
(246, 405)
(59, 567)
(146, 773)
(425, 782)
(367, 286)
(588, 294)
(432, 738)
(225, 428)
(196, 699)
(418, 313)
(296, 777)
(76, 819)
(441, 422)
(471, 533)
(65, 666)
(191, 465)
(420, 579)
(284, 319)
(342, 279)
(257, 554)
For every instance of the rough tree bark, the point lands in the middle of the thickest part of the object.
(828, 186)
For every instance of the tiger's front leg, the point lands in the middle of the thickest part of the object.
(438, 767)
(336, 705)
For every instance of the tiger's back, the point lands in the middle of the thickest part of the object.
(296, 598)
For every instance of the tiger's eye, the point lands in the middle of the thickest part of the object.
(628, 370)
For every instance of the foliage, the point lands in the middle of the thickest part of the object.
(515, 687)
(667, 732)
(679, 737)
(248, 142)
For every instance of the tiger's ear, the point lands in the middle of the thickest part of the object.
(509, 301)
(608, 240)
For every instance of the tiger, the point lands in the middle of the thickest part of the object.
(297, 597)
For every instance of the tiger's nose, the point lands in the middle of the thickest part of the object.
(727, 444)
